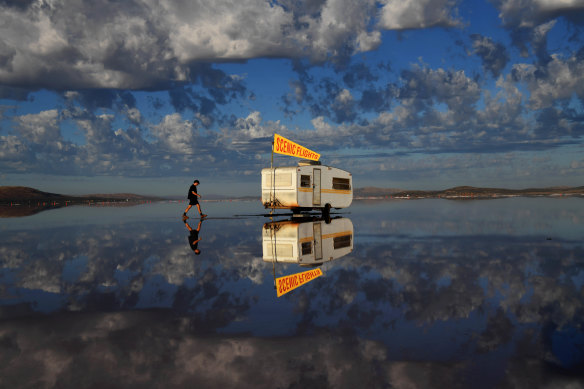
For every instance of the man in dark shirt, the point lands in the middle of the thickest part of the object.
(193, 200)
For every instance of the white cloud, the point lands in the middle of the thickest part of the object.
(175, 134)
(226, 30)
(12, 149)
(559, 80)
(148, 44)
(342, 24)
(251, 126)
(413, 14)
(494, 55)
(243, 135)
(531, 13)
(39, 128)
(344, 97)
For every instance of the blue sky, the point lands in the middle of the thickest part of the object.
(143, 96)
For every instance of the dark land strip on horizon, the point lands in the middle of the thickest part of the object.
(18, 201)
(27, 196)
(467, 192)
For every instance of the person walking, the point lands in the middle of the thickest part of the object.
(193, 200)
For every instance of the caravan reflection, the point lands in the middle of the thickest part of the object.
(308, 241)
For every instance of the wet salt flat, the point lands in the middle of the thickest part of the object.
(429, 294)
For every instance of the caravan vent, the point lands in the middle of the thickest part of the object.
(308, 162)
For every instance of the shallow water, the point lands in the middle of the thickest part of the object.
(435, 293)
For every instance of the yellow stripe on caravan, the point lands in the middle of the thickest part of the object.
(336, 191)
(327, 236)
(287, 147)
(291, 282)
(336, 235)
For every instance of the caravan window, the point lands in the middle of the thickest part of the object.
(341, 183)
(304, 181)
(340, 242)
(306, 248)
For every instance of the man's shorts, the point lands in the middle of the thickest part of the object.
(193, 201)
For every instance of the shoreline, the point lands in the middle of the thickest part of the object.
(469, 197)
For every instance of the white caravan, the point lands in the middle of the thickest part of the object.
(308, 243)
(306, 186)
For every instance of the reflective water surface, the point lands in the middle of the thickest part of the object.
(415, 294)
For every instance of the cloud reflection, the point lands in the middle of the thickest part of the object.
(409, 309)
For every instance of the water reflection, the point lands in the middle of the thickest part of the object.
(419, 301)
(194, 238)
(307, 241)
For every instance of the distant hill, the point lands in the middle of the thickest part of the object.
(469, 192)
(23, 194)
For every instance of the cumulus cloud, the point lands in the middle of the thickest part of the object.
(175, 134)
(522, 17)
(96, 65)
(147, 44)
(37, 140)
(344, 106)
(412, 14)
(423, 86)
(442, 110)
(150, 45)
(13, 152)
(559, 80)
(244, 135)
(342, 100)
(142, 148)
(531, 13)
(39, 128)
(494, 55)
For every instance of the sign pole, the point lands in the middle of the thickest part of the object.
(273, 173)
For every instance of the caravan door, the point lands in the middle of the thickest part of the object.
(317, 231)
(316, 187)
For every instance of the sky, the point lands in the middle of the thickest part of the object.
(144, 96)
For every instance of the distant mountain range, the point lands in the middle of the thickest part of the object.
(467, 192)
(25, 195)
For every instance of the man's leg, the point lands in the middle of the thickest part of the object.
(186, 210)
(200, 213)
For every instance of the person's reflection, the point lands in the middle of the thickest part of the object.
(194, 237)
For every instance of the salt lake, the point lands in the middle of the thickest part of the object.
(433, 294)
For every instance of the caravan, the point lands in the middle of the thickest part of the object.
(307, 186)
(308, 242)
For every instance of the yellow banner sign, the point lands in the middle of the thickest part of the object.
(291, 282)
(287, 147)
